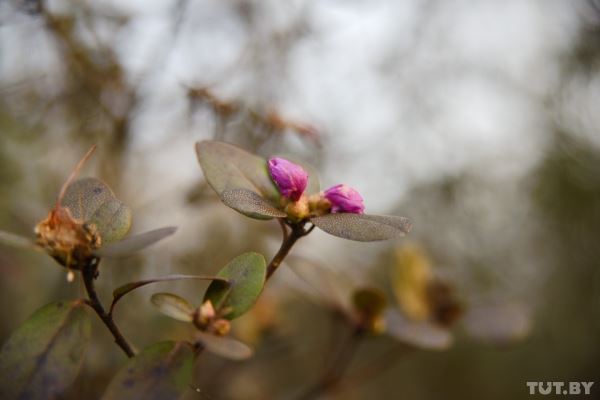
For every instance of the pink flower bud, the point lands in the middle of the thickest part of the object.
(291, 179)
(344, 199)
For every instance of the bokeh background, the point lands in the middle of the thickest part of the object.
(477, 120)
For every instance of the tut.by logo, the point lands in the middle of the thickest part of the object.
(564, 388)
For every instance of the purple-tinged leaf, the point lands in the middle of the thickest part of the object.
(43, 356)
(161, 371)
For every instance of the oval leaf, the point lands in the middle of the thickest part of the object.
(173, 306)
(42, 357)
(225, 346)
(250, 204)
(134, 243)
(226, 166)
(161, 371)
(420, 334)
(113, 220)
(246, 275)
(363, 227)
(84, 197)
(92, 201)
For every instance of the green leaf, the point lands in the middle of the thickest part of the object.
(84, 197)
(226, 166)
(246, 275)
(173, 306)
(42, 357)
(92, 201)
(363, 227)
(250, 204)
(134, 243)
(224, 346)
(113, 220)
(162, 371)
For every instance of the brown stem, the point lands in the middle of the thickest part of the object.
(89, 273)
(289, 239)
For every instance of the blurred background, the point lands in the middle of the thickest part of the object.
(477, 120)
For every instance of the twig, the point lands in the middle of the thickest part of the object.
(289, 239)
(89, 273)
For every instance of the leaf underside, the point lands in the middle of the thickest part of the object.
(250, 204)
(173, 306)
(363, 227)
(246, 275)
(42, 357)
(225, 346)
(161, 371)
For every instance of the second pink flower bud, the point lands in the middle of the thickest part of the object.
(344, 199)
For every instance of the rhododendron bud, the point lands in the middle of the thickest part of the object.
(206, 312)
(298, 210)
(290, 178)
(344, 199)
